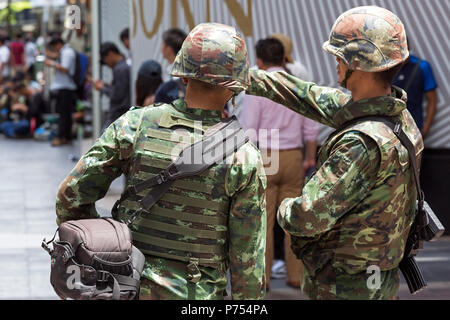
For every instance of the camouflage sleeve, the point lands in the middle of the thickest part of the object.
(90, 179)
(335, 189)
(246, 184)
(307, 98)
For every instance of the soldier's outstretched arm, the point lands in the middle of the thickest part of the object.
(246, 184)
(90, 179)
(335, 189)
(313, 101)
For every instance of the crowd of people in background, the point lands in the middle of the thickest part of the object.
(21, 101)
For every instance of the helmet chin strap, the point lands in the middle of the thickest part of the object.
(348, 74)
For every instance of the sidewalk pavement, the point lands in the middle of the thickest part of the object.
(30, 173)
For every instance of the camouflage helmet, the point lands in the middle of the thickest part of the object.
(369, 38)
(216, 54)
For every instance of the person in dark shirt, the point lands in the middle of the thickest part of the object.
(170, 91)
(148, 81)
(119, 90)
(417, 79)
(35, 103)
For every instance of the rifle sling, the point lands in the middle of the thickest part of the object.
(396, 127)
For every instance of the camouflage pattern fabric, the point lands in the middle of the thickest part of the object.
(241, 181)
(357, 209)
(216, 54)
(369, 39)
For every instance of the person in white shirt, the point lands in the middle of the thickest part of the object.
(5, 55)
(63, 88)
(30, 55)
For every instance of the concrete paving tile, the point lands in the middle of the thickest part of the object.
(27, 215)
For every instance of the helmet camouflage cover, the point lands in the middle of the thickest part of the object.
(216, 54)
(369, 38)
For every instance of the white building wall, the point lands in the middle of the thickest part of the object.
(308, 23)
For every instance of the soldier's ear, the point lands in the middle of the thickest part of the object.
(260, 63)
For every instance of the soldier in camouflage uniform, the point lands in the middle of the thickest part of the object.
(205, 225)
(357, 209)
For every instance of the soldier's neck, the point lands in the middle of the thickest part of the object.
(360, 95)
(367, 87)
(204, 101)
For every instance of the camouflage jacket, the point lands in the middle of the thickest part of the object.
(240, 181)
(356, 210)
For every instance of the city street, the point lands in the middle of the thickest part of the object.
(30, 173)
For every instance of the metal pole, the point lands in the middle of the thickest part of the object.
(8, 18)
(96, 110)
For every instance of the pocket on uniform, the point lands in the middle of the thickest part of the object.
(403, 156)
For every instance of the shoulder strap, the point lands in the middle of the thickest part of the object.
(219, 142)
(413, 75)
(396, 127)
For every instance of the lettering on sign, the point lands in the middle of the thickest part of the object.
(243, 20)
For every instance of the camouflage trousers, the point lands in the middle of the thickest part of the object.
(332, 284)
(165, 279)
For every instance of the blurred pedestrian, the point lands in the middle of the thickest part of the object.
(17, 54)
(417, 79)
(172, 41)
(125, 39)
(31, 52)
(17, 123)
(173, 88)
(63, 87)
(35, 102)
(149, 79)
(119, 91)
(5, 55)
(6, 98)
(294, 131)
(296, 68)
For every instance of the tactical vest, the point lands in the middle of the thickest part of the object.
(376, 230)
(190, 222)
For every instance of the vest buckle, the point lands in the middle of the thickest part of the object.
(193, 271)
(162, 178)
